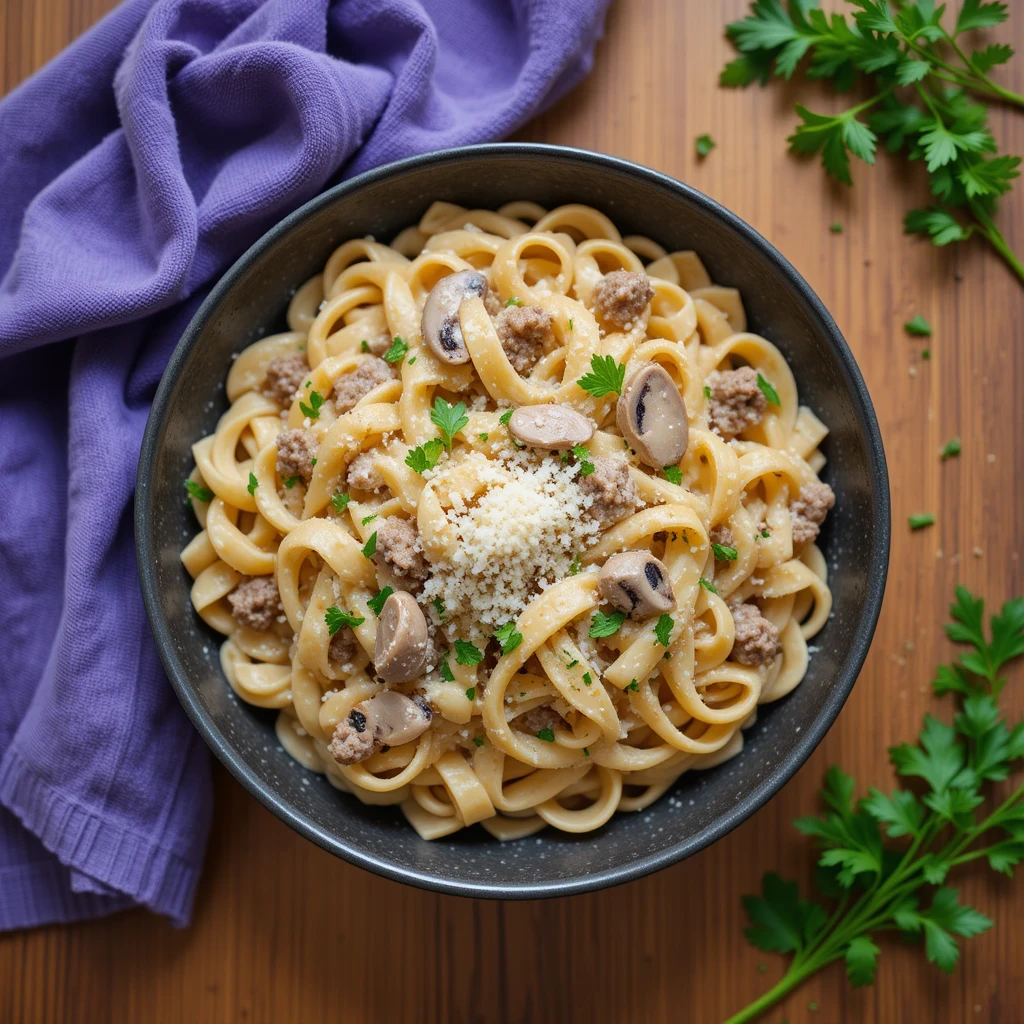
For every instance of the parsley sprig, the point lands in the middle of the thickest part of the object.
(873, 884)
(449, 419)
(920, 105)
(606, 376)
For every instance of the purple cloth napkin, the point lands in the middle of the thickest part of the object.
(135, 168)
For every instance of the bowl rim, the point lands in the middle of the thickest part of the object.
(761, 793)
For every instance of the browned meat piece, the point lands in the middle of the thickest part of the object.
(544, 717)
(255, 602)
(622, 296)
(721, 534)
(757, 640)
(360, 382)
(491, 302)
(343, 647)
(285, 375)
(363, 475)
(399, 552)
(736, 401)
(296, 450)
(352, 740)
(610, 485)
(809, 511)
(523, 331)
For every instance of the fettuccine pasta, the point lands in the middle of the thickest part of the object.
(514, 525)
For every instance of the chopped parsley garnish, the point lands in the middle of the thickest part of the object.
(634, 686)
(340, 501)
(673, 474)
(606, 625)
(396, 353)
(505, 417)
(439, 607)
(586, 751)
(370, 518)
(951, 448)
(483, 437)
(919, 327)
(663, 630)
(581, 451)
(606, 376)
(336, 618)
(425, 456)
(449, 419)
(921, 520)
(413, 360)
(574, 566)
(478, 740)
(836, 228)
(312, 461)
(765, 533)
(446, 672)
(704, 145)
(253, 484)
(308, 384)
(364, 345)
(723, 553)
(570, 323)
(573, 662)
(291, 481)
(767, 390)
(377, 603)
(512, 302)
(313, 409)
(471, 693)
(199, 492)
(707, 392)
(926, 353)
(586, 679)
(508, 636)
(467, 653)
(546, 735)
(708, 585)
(370, 547)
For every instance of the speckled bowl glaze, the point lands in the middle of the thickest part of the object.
(251, 299)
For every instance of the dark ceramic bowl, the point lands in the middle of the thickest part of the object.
(253, 296)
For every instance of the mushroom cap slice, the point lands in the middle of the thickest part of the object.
(638, 583)
(440, 323)
(400, 648)
(652, 417)
(552, 427)
(394, 718)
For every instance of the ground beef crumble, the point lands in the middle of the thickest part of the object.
(756, 639)
(544, 717)
(399, 552)
(255, 602)
(363, 475)
(354, 386)
(350, 743)
(343, 646)
(612, 488)
(285, 375)
(296, 449)
(622, 296)
(809, 510)
(736, 401)
(523, 331)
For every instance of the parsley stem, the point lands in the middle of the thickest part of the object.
(991, 87)
(995, 238)
(795, 976)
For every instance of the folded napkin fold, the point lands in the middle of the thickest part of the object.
(135, 167)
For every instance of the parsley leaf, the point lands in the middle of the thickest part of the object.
(861, 961)
(370, 547)
(708, 585)
(199, 492)
(606, 376)
(836, 228)
(446, 672)
(586, 679)
(606, 625)
(724, 554)
(767, 390)
(505, 417)
(369, 519)
(316, 400)
(467, 653)
(921, 520)
(546, 735)
(918, 326)
(364, 345)
(673, 474)
(939, 225)
(336, 618)
(975, 14)
(633, 685)
(340, 501)
(449, 419)
(478, 740)
(377, 603)
(438, 607)
(253, 484)
(425, 456)
(397, 352)
(663, 629)
(512, 302)
(951, 448)
(704, 144)
(508, 636)
(471, 693)
(290, 481)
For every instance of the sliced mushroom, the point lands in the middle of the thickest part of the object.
(552, 427)
(400, 649)
(652, 417)
(638, 583)
(440, 324)
(389, 718)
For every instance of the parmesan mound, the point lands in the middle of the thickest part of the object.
(517, 535)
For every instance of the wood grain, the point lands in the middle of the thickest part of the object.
(284, 932)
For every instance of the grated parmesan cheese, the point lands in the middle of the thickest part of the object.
(517, 535)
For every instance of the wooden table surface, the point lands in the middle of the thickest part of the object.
(284, 932)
